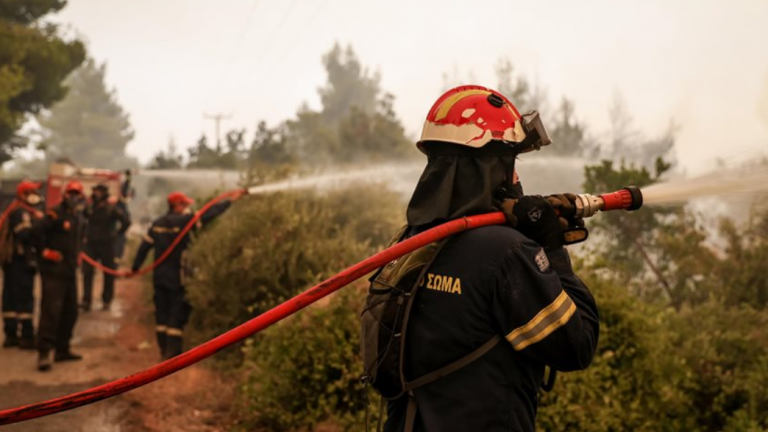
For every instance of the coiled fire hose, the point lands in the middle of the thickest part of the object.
(623, 199)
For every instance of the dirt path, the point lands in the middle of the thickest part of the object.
(116, 344)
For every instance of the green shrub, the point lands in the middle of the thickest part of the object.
(307, 370)
(268, 248)
(633, 384)
(702, 369)
(726, 352)
(265, 250)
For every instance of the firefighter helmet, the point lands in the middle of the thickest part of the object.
(25, 187)
(74, 186)
(179, 198)
(473, 116)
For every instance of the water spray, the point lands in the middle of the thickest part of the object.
(723, 183)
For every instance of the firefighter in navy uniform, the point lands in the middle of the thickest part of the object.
(61, 234)
(171, 306)
(106, 223)
(126, 193)
(514, 285)
(20, 267)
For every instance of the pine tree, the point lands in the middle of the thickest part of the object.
(168, 158)
(34, 61)
(349, 85)
(89, 126)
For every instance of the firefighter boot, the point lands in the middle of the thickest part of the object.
(161, 342)
(11, 333)
(44, 360)
(10, 341)
(27, 341)
(173, 346)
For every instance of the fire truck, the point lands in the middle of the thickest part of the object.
(59, 174)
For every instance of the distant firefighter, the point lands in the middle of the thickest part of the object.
(126, 193)
(106, 223)
(171, 307)
(60, 235)
(19, 259)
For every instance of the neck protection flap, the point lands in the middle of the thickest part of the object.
(459, 182)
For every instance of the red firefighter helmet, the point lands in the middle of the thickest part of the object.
(473, 116)
(74, 186)
(25, 187)
(176, 198)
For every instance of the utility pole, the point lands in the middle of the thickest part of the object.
(217, 118)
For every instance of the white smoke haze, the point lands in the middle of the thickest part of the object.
(263, 64)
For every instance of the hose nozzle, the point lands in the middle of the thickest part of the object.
(630, 198)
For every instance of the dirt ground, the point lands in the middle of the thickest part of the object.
(116, 344)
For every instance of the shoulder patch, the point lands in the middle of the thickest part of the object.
(542, 260)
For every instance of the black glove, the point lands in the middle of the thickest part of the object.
(565, 206)
(574, 230)
(551, 222)
(535, 217)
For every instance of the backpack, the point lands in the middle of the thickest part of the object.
(385, 322)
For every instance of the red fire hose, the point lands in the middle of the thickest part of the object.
(170, 249)
(249, 328)
(14, 205)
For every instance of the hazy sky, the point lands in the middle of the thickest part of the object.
(702, 63)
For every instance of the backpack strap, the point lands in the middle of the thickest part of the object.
(548, 384)
(410, 413)
(454, 366)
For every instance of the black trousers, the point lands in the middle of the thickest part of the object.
(119, 247)
(18, 299)
(171, 315)
(58, 309)
(103, 252)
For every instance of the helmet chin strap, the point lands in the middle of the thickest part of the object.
(510, 188)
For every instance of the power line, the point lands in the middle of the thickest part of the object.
(264, 48)
(227, 66)
(217, 118)
(304, 26)
(261, 54)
